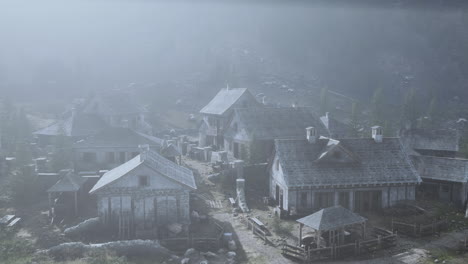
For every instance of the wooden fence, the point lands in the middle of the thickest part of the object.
(384, 239)
(257, 230)
(419, 230)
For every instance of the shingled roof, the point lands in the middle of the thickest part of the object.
(331, 218)
(444, 169)
(119, 137)
(354, 162)
(74, 124)
(69, 182)
(423, 139)
(262, 123)
(224, 100)
(155, 162)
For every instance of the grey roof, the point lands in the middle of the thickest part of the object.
(331, 218)
(170, 151)
(335, 128)
(118, 137)
(444, 169)
(155, 162)
(74, 125)
(69, 182)
(278, 122)
(344, 162)
(224, 100)
(423, 139)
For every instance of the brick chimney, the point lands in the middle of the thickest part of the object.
(377, 134)
(311, 134)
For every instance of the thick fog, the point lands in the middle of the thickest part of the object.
(75, 46)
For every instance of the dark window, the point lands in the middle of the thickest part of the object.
(110, 157)
(445, 188)
(89, 157)
(122, 157)
(134, 154)
(143, 181)
(304, 199)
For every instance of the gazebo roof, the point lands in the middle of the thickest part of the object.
(70, 182)
(331, 218)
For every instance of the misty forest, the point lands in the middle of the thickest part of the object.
(267, 131)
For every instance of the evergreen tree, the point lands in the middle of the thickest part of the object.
(410, 112)
(355, 114)
(324, 101)
(377, 107)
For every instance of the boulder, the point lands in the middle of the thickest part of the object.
(232, 245)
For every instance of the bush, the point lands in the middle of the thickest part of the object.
(12, 249)
(281, 229)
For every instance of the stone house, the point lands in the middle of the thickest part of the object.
(112, 147)
(250, 133)
(361, 174)
(145, 195)
(444, 179)
(438, 143)
(217, 112)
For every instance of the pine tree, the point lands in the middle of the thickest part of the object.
(377, 105)
(324, 101)
(354, 125)
(410, 112)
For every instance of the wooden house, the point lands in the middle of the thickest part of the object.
(217, 112)
(145, 195)
(361, 174)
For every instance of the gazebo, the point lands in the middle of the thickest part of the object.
(68, 183)
(332, 220)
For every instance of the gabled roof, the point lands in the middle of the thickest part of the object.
(69, 182)
(225, 100)
(423, 139)
(117, 173)
(331, 218)
(118, 137)
(371, 163)
(170, 151)
(443, 169)
(334, 127)
(277, 122)
(155, 162)
(74, 124)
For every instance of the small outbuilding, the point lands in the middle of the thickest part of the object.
(67, 189)
(333, 220)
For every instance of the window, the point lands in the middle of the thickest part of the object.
(143, 181)
(445, 188)
(277, 164)
(122, 157)
(235, 127)
(89, 157)
(304, 199)
(134, 154)
(110, 157)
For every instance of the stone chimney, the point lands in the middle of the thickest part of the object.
(143, 151)
(377, 134)
(311, 134)
(326, 119)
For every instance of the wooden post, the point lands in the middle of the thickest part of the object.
(317, 233)
(300, 234)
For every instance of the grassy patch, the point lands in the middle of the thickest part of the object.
(282, 228)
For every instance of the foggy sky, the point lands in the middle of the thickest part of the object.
(81, 45)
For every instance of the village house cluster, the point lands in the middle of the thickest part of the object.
(312, 165)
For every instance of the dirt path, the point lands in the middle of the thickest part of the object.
(254, 248)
